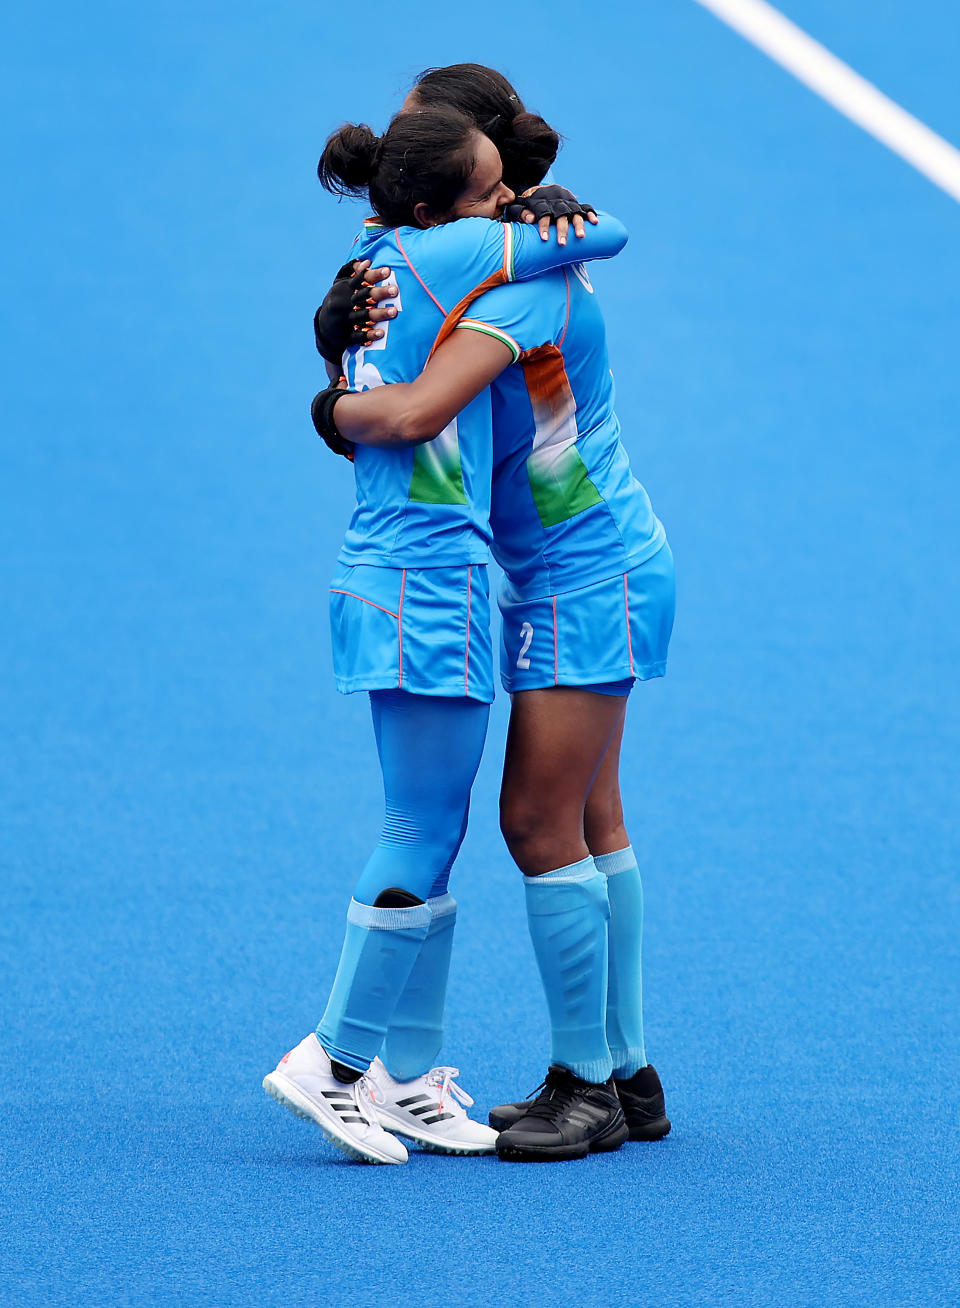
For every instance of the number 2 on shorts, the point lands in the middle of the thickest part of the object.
(526, 632)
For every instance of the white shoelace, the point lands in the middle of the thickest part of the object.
(364, 1094)
(443, 1079)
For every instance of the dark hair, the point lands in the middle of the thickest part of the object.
(422, 157)
(527, 144)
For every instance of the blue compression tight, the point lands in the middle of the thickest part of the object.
(430, 750)
(392, 976)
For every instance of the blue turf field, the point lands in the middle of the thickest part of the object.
(187, 800)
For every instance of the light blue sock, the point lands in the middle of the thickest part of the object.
(624, 974)
(567, 913)
(415, 1033)
(379, 951)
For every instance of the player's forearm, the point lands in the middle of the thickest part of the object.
(410, 413)
(387, 416)
(532, 256)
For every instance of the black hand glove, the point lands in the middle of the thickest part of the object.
(340, 320)
(321, 411)
(548, 202)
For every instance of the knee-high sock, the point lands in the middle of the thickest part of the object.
(379, 951)
(430, 749)
(567, 913)
(624, 972)
(415, 1033)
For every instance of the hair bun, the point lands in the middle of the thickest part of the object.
(528, 149)
(349, 159)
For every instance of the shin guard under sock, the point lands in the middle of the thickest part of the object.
(624, 970)
(567, 914)
(415, 1033)
(379, 951)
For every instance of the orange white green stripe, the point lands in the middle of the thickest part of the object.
(498, 334)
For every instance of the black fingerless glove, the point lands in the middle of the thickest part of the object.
(321, 411)
(548, 202)
(341, 319)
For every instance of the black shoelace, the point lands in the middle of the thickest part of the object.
(557, 1092)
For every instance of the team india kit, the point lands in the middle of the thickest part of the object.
(532, 469)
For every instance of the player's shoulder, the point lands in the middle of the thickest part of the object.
(541, 294)
(530, 313)
(464, 243)
(374, 236)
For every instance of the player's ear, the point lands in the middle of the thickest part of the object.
(424, 216)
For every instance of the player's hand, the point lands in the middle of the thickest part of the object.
(366, 300)
(547, 205)
(336, 325)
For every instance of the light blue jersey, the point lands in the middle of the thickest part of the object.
(430, 506)
(567, 511)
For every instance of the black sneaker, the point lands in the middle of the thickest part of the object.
(568, 1119)
(643, 1104)
(641, 1096)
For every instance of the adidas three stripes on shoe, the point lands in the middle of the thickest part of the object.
(429, 1110)
(305, 1084)
(569, 1119)
(641, 1096)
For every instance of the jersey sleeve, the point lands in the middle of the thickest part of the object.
(472, 250)
(462, 254)
(515, 252)
(517, 316)
(527, 255)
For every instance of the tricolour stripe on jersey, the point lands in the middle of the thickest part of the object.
(498, 334)
(437, 474)
(508, 251)
(456, 313)
(557, 473)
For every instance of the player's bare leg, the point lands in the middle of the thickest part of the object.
(557, 741)
(603, 826)
(606, 839)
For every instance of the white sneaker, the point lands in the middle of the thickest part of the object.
(304, 1083)
(429, 1110)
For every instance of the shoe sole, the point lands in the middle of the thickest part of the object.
(655, 1130)
(609, 1141)
(290, 1097)
(432, 1144)
(435, 1146)
(652, 1130)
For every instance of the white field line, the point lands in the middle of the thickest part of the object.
(814, 65)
